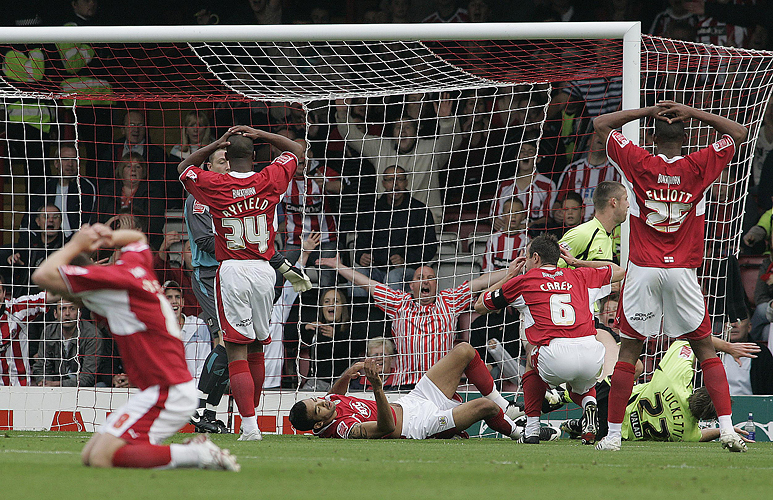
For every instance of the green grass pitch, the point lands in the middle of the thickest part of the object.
(46, 465)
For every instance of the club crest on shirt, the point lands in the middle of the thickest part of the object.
(620, 139)
(342, 429)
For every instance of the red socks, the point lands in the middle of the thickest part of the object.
(256, 361)
(620, 391)
(479, 376)
(242, 386)
(533, 393)
(577, 398)
(715, 380)
(499, 424)
(142, 456)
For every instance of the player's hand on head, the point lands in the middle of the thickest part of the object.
(568, 257)
(672, 112)
(516, 266)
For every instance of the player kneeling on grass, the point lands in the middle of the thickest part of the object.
(555, 306)
(431, 410)
(127, 294)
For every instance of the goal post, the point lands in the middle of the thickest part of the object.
(456, 107)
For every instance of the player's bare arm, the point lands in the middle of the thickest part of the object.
(682, 112)
(484, 281)
(47, 275)
(341, 386)
(737, 350)
(385, 421)
(348, 273)
(618, 273)
(280, 142)
(200, 155)
(603, 125)
(514, 269)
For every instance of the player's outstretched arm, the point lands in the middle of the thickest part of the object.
(341, 386)
(603, 125)
(682, 112)
(737, 350)
(514, 269)
(618, 273)
(385, 420)
(200, 155)
(713, 433)
(348, 273)
(47, 275)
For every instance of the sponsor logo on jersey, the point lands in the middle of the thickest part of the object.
(721, 144)
(123, 418)
(636, 425)
(361, 408)
(244, 323)
(243, 193)
(620, 139)
(199, 208)
(190, 174)
(669, 179)
(685, 352)
(552, 275)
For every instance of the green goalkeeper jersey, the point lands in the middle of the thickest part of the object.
(658, 410)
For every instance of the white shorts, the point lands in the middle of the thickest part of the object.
(575, 361)
(669, 296)
(154, 414)
(426, 411)
(244, 298)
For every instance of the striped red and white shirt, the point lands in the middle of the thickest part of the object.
(583, 178)
(15, 317)
(422, 334)
(541, 190)
(502, 249)
(307, 209)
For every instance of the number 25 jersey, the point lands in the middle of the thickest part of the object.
(668, 206)
(243, 205)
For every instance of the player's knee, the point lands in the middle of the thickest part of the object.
(485, 408)
(464, 349)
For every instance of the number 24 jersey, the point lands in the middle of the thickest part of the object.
(243, 205)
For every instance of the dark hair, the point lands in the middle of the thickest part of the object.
(240, 148)
(605, 191)
(171, 285)
(299, 417)
(574, 196)
(546, 246)
(669, 132)
(700, 404)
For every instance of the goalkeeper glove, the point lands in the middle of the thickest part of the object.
(296, 277)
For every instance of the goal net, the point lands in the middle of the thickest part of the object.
(430, 164)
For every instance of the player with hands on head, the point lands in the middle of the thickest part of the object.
(127, 294)
(555, 306)
(243, 206)
(431, 410)
(666, 248)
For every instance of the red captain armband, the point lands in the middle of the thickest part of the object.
(494, 301)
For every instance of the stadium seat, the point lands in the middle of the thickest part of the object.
(454, 272)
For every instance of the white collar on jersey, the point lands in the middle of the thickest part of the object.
(669, 160)
(241, 175)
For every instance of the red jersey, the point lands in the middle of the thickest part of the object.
(141, 320)
(349, 411)
(15, 316)
(668, 207)
(243, 205)
(555, 303)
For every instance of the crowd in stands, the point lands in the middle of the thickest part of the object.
(385, 179)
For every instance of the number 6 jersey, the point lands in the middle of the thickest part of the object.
(668, 206)
(243, 205)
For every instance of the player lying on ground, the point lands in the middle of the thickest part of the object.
(670, 387)
(555, 306)
(431, 410)
(141, 320)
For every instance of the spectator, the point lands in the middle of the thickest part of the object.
(424, 157)
(328, 339)
(764, 144)
(75, 196)
(69, 354)
(504, 246)
(568, 216)
(747, 376)
(478, 11)
(675, 12)
(173, 262)
(22, 258)
(503, 327)
(447, 12)
(585, 174)
(196, 338)
(763, 295)
(132, 190)
(83, 13)
(399, 236)
(383, 351)
(15, 318)
(399, 11)
(530, 187)
(259, 12)
(758, 237)
(196, 131)
(135, 141)
(423, 321)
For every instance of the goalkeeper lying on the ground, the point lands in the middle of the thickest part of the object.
(666, 408)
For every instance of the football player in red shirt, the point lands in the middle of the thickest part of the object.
(243, 205)
(141, 320)
(666, 248)
(556, 311)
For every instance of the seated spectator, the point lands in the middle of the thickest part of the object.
(131, 190)
(32, 247)
(135, 141)
(398, 238)
(16, 316)
(568, 216)
(504, 246)
(110, 371)
(758, 236)
(447, 12)
(424, 320)
(383, 351)
(196, 338)
(328, 339)
(763, 295)
(75, 196)
(585, 174)
(747, 376)
(530, 187)
(68, 357)
(196, 131)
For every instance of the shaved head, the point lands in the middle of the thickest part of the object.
(241, 147)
